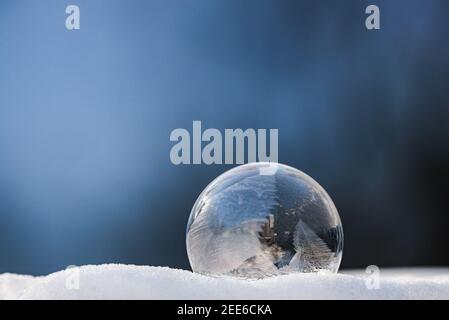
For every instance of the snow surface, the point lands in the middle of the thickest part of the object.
(114, 281)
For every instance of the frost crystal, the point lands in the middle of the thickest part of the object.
(263, 219)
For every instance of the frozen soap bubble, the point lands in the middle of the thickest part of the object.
(261, 219)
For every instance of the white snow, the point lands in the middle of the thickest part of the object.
(115, 281)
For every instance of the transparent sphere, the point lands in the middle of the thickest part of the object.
(264, 219)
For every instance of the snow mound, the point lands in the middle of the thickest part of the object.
(114, 281)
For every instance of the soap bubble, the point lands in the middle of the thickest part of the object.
(264, 219)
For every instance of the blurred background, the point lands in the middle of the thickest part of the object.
(85, 119)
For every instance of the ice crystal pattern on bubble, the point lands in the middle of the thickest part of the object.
(263, 219)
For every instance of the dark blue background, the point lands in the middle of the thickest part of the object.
(85, 119)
